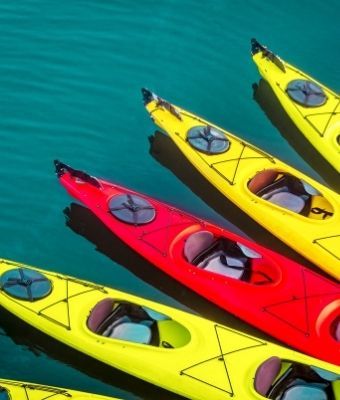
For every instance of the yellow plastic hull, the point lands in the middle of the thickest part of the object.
(230, 172)
(217, 362)
(32, 391)
(320, 125)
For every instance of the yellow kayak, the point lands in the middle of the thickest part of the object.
(15, 390)
(298, 210)
(314, 108)
(181, 352)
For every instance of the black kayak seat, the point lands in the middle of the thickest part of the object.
(197, 243)
(99, 313)
(125, 329)
(125, 321)
(286, 199)
(283, 190)
(203, 250)
(298, 382)
(218, 262)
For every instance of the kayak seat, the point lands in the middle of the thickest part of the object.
(277, 379)
(125, 321)
(130, 331)
(304, 392)
(197, 243)
(221, 256)
(265, 375)
(291, 193)
(98, 314)
(281, 189)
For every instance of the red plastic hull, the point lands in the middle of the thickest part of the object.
(298, 307)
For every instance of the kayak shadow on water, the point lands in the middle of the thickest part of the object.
(83, 222)
(38, 342)
(167, 154)
(266, 99)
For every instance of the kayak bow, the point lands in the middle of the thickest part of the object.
(314, 108)
(178, 351)
(298, 210)
(277, 295)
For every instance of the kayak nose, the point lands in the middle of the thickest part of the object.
(148, 96)
(255, 46)
(60, 168)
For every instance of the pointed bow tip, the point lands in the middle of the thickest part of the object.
(148, 96)
(60, 168)
(255, 46)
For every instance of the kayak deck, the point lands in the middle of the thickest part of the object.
(314, 108)
(302, 212)
(206, 367)
(264, 288)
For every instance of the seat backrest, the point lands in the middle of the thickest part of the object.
(98, 314)
(266, 374)
(197, 243)
(262, 179)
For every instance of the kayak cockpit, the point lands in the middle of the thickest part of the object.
(278, 379)
(131, 322)
(291, 193)
(228, 258)
(4, 395)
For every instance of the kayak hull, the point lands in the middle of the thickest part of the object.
(319, 124)
(205, 365)
(232, 171)
(280, 296)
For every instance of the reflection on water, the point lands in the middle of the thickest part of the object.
(266, 99)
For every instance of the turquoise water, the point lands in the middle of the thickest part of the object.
(70, 79)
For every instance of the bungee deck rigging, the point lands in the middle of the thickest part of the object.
(244, 148)
(273, 293)
(303, 213)
(61, 305)
(221, 359)
(187, 346)
(313, 107)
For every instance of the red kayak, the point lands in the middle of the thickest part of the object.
(264, 288)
